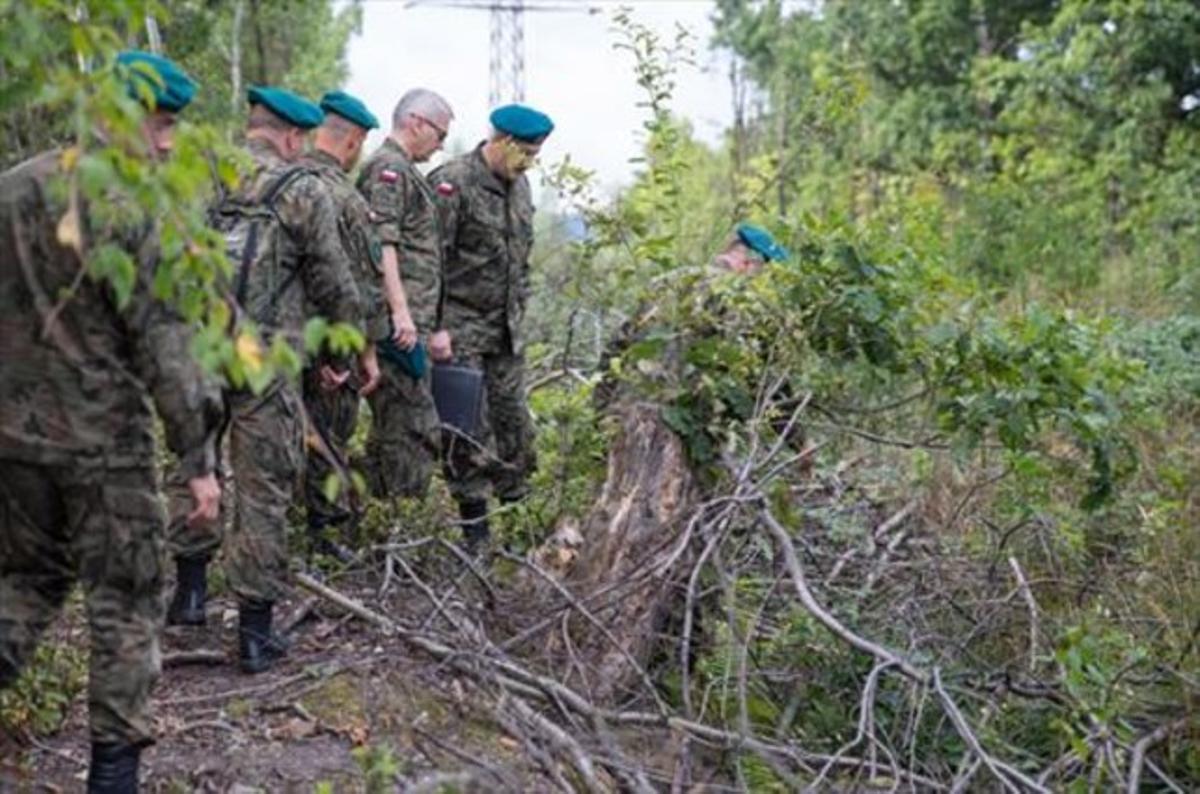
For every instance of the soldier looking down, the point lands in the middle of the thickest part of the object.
(405, 433)
(695, 308)
(78, 373)
(281, 234)
(333, 401)
(487, 234)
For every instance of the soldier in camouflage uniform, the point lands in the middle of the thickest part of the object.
(487, 234)
(333, 404)
(78, 373)
(744, 253)
(281, 233)
(405, 433)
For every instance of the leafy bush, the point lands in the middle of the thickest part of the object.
(40, 700)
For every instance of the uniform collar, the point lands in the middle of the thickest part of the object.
(264, 150)
(324, 158)
(390, 144)
(488, 177)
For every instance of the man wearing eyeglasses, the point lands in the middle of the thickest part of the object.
(487, 230)
(405, 437)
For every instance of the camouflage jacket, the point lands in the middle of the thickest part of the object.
(487, 228)
(77, 371)
(358, 239)
(281, 235)
(691, 304)
(405, 213)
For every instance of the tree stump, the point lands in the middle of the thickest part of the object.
(625, 571)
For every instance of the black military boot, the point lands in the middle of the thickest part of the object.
(114, 769)
(319, 542)
(474, 524)
(191, 590)
(258, 646)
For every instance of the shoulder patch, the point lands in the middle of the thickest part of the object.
(388, 176)
(445, 189)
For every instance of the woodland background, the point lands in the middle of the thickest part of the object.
(939, 495)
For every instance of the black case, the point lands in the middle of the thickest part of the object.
(458, 395)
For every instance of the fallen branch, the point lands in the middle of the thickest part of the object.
(346, 603)
(442, 781)
(219, 725)
(1138, 758)
(596, 622)
(297, 616)
(799, 580)
(865, 718)
(1000, 770)
(561, 741)
(200, 657)
(1027, 594)
(466, 758)
(516, 680)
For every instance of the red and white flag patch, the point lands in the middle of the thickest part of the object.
(388, 176)
(445, 189)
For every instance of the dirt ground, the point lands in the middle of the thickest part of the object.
(348, 709)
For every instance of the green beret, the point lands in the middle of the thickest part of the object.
(522, 122)
(760, 241)
(149, 75)
(350, 108)
(292, 108)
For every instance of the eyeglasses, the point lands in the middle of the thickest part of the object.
(441, 133)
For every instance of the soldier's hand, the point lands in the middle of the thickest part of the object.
(368, 362)
(332, 379)
(206, 500)
(440, 349)
(404, 331)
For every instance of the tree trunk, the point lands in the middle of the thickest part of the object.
(259, 44)
(235, 58)
(629, 544)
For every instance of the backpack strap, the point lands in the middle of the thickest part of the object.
(282, 181)
(268, 198)
(248, 252)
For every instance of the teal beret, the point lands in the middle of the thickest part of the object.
(522, 122)
(350, 108)
(760, 241)
(292, 108)
(145, 72)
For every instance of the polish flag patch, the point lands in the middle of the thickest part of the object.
(388, 176)
(445, 189)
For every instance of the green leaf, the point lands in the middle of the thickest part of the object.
(112, 264)
(315, 331)
(332, 487)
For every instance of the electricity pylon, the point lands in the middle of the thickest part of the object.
(506, 61)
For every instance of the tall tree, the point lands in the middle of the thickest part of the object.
(993, 125)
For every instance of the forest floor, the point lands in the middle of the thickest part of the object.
(348, 706)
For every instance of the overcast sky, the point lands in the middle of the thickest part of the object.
(572, 73)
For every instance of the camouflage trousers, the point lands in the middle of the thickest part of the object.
(333, 415)
(266, 454)
(403, 446)
(501, 456)
(103, 528)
